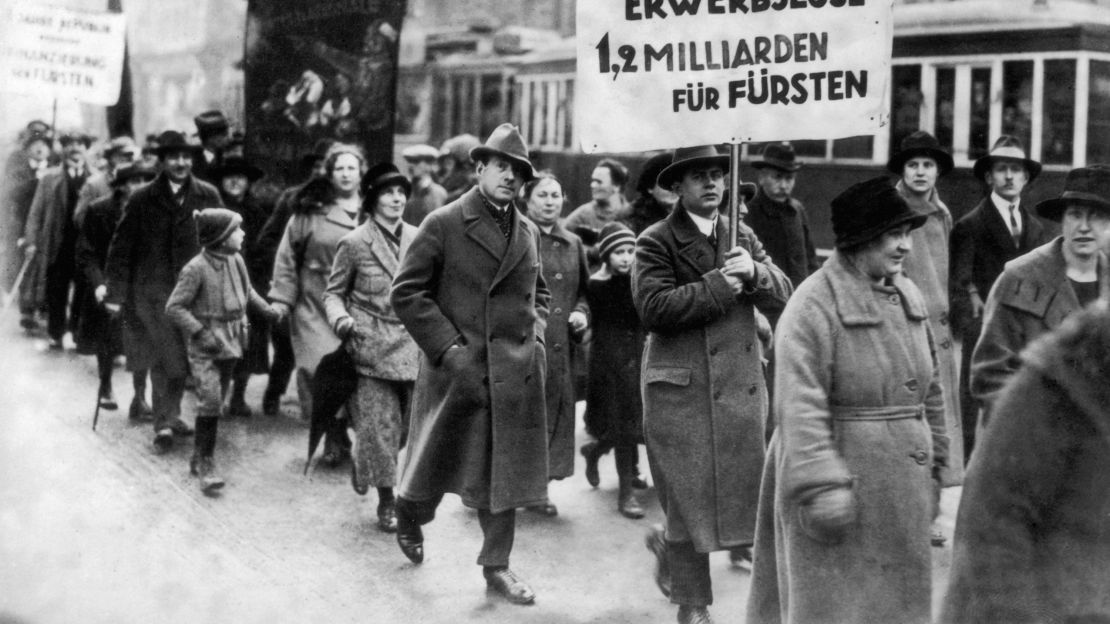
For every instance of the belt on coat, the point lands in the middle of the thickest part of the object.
(886, 412)
(389, 318)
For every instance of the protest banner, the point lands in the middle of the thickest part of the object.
(320, 70)
(655, 74)
(61, 53)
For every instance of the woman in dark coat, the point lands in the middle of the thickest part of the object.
(614, 409)
(564, 270)
(1031, 535)
(234, 177)
(842, 534)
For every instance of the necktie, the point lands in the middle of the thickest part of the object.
(713, 239)
(1015, 230)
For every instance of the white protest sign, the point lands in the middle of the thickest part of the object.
(658, 74)
(61, 52)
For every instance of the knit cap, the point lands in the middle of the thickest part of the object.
(214, 225)
(613, 235)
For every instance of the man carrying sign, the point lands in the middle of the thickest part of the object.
(705, 398)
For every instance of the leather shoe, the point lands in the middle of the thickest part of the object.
(163, 440)
(693, 615)
(387, 517)
(181, 428)
(271, 404)
(505, 582)
(937, 538)
(544, 509)
(409, 536)
(590, 452)
(108, 400)
(658, 547)
(239, 409)
(741, 557)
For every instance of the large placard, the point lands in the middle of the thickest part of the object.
(673, 73)
(62, 53)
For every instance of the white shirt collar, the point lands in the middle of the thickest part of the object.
(705, 226)
(174, 187)
(1003, 208)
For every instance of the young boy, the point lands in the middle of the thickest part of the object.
(209, 304)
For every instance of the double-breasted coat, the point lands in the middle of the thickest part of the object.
(927, 268)
(301, 268)
(705, 398)
(358, 287)
(566, 272)
(156, 237)
(1031, 297)
(1031, 540)
(478, 426)
(858, 404)
(50, 228)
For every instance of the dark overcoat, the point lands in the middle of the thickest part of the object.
(97, 228)
(1032, 531)
(156, 237)
(1031, 297)
(614, 407)
(783, 228)
(858, 404)
(19, 185)
(47, 223)
(705, 398)
(566, 271)
(478, 426)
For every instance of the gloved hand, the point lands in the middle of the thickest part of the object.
(207, 342)
(827, 516)
(282, 310)
(345, 327)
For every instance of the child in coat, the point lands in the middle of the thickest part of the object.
(209, 305)
(614, 408)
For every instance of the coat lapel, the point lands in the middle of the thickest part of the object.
(518, 246)
(379, 247)
(693, 247)
(480, 226)
(997, 229)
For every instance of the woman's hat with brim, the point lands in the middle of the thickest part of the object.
(380, 177)
(920, 143)
(1006, 148)
(865, 210)
(650, 173)
(505, 141)
(779, 156)
(172, 142)
(236, 165)
(1086, 186)
(134, 171)
(686, 158)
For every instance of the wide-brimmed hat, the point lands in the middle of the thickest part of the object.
(613, 235)
(920, 143)
(649, 175)
(865, 210)
(379, 177)
(506, 141)
(1086, 186)
(686, 158)
(120, 144)
(235, 165)
(134, 171)
(172, 141)
(210, 123)
(779, 156)
(420, 152)
(216, 224)
(1006, 148)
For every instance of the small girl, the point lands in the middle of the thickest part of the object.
(209, 305)
(614, 409)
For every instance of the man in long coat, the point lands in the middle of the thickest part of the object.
(155, 238)
(982, 242)
(705, 399)
(471, 293)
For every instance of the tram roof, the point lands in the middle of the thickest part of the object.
(968, 16)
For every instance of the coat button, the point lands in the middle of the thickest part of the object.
(752, 390)
(945, 344)
(556, 244)
(558, 310)
(713, 351)
(557, 347)
(894, 299)
(921, 457)
(558, 276)
(912, 385)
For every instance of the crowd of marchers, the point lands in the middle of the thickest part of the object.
(801, 413)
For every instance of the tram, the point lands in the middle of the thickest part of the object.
(966, 71)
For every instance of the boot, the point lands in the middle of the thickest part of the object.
(591, 451)
(106, 398)
(140, 411)
(201, 463)
(271, 402)
(627, 503)
(237, 407)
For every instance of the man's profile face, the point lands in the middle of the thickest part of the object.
(177, 165)
(498, 179)
(601, 184)
(701, 189)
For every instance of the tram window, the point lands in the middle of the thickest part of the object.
(568, 118)
(906, 104)
(980, 113)
(1059, 112)
(854, 147)
(1098, 115)
(944, 121)
(1017, 100)
(810, 148)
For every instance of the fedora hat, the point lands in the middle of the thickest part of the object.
(210, 123)
(505, 141)
(1086, 186)
(779, 156)
(1006, 148)
(867, 209)
(134, 171)
(236, 165)
(686, 158)
(920, 143)
(379, 177)
(172, 141)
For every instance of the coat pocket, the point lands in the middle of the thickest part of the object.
(372, 281)
(674, 375)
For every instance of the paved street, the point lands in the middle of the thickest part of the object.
(95, 528)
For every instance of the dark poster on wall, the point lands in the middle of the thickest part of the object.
(325, 69)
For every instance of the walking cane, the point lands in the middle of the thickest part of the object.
(96, 412)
